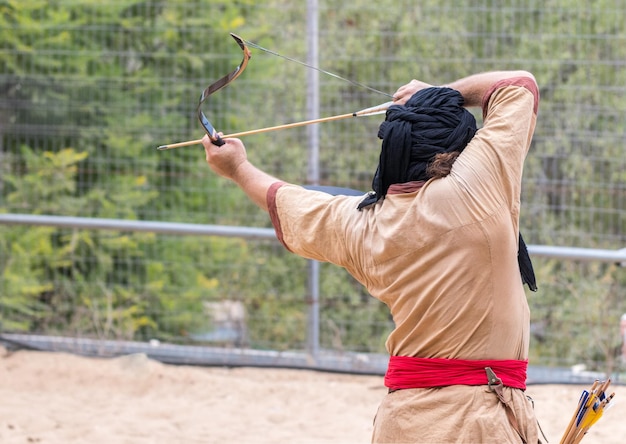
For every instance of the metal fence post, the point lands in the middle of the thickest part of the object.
(313, 105)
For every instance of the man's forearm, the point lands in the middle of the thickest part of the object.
(474, 87)
(254, 182)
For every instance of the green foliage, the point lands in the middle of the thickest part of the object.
(48, 182)
(576, 317)
(23, 279)
(90, 88)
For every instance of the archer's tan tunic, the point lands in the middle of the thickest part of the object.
(444, 260)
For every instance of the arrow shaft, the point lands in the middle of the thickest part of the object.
(379, 109)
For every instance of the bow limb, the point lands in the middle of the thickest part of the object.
(216, 86)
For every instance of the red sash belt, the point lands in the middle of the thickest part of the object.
(406, 372)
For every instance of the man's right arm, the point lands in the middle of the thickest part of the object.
(473, 88)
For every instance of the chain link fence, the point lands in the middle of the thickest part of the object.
(90, 89)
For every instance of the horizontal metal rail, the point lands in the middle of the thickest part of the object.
(585, 254)
(327, 360)
(90, 223)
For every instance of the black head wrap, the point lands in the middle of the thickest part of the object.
(432, 121)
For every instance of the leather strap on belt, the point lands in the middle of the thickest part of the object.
(495, 385)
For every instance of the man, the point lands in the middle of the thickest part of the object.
(437, 241)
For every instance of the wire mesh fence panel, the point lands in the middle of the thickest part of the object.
(90, 89)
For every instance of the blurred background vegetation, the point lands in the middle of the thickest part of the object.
(89, 89)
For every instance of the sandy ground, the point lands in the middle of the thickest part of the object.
(65, 399)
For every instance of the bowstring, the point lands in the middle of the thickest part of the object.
(353, 82)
